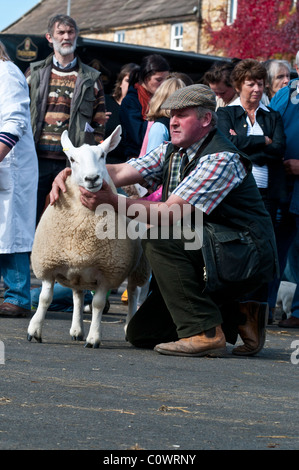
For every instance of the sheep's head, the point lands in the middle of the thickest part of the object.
(88, 162)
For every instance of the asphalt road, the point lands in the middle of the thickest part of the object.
(58, 395)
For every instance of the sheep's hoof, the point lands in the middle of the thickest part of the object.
(37, 338)
(94, 346)
(78, 338)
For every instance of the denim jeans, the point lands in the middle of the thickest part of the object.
(285, 231)
(291, 272)
(179, 307)
(15, 271)
(62, 298)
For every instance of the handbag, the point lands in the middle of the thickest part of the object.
(231, 257)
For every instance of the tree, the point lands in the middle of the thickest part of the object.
(262, 30)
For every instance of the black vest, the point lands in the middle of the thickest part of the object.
(243, 206)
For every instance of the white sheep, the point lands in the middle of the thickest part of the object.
(67, 247)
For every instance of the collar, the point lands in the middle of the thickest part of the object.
(237, 102)
(192, 150)
(68, 66)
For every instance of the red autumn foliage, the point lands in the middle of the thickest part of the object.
(262, 30)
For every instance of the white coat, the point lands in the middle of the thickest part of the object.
(19, 169)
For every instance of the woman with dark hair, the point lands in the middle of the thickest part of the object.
(256, 130)
(218, 78)
(143, 83)
(113, 103)
(122, 82)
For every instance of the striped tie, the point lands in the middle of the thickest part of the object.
(179, 161)
(184, 162)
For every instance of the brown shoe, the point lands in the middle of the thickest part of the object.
(292, 322)
(13, 311)
(253, 332)
(203, 344)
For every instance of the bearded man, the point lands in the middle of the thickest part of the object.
(65, 95)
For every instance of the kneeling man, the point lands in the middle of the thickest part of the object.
(200, 170)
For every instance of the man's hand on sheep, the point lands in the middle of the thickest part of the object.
(104, 196)
(161, 213)
(59, 185)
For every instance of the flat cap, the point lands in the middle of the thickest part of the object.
(191, 96)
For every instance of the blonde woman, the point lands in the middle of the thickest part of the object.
(18, 188)
(159, 130)
(157, 117)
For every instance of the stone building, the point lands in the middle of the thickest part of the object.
(155, 23)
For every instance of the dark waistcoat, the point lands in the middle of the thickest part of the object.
(242, 208)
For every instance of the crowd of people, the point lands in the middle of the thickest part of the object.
(225, 147)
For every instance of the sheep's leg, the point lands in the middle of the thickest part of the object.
(133, 296)
(77, 328)
(36, 322)
(93, 339)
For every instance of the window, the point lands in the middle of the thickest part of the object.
(119, 36)
(232, 11)
(177, 37)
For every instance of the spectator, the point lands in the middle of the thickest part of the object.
(65, 94)
(113, 103)
(159, 131)
(18, 186)
(278, 76)
(183, 76)
(144, 81)
(256, 130)
(286, 102)
(218, 78)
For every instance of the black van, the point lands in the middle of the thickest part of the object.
(108, 57)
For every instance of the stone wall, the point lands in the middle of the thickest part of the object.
(159, 35)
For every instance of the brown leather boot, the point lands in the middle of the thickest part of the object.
(253, 332)
(291, 322)
(9, 310)
(205, 344)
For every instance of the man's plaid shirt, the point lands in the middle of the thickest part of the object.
(206, 186)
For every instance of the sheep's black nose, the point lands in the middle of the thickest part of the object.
(91, 179)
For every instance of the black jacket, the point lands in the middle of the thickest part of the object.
(133, 125)
(243, 205)
(234, 117)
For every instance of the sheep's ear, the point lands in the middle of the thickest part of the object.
(67, 145)
(112, 141)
